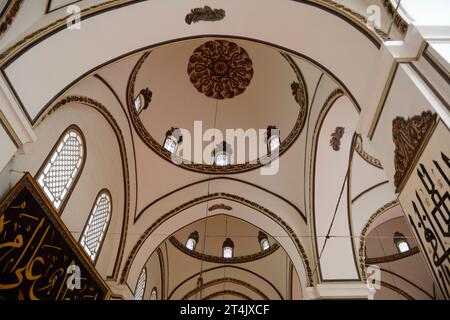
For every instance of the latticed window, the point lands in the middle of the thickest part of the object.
(98, 222)
(62, 167)
(140, 287)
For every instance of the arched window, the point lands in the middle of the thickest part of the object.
(263, 241)
(143, 100)
(154, 294)
(273, 139)
(222, 154)
(63, 166)
(400, 242)
(192, 241)
(95, 229)
(140, 286)
(228, 247)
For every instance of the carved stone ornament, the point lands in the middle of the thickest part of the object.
(9, 14)
(205, 14)
(408, 136)
(220, 206)
(220, 69)
(298, 91)
(336, 137)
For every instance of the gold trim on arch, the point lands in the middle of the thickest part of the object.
(359, 147)
(202, 199)
(225, 280)
(393, 257)
(362, 238)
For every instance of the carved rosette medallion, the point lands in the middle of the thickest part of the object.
(409, 136)
(220, 69)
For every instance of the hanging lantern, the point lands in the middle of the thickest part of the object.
(173, 139)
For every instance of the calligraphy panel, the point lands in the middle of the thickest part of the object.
(426, 202)
(39, 259)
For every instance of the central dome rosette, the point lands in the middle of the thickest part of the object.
(252, 87)
(220, 69)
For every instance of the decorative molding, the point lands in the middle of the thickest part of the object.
(227, 292)
(154, 145)
(399, 22)
(359, 148)
(216, 259)
(204, 14)
(220, 206)
(336, 137)
(220, 69)
(226, 267)
(392, 257)
(362, 19)
(9, 14)
(121, 142)
(219, 195)
(409, 138)
(362, 238)
(225, 280)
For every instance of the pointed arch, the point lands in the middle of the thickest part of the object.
(98, 222)
(63, 166)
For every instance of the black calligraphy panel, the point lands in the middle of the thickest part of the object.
(430, 217)
(39, 259)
